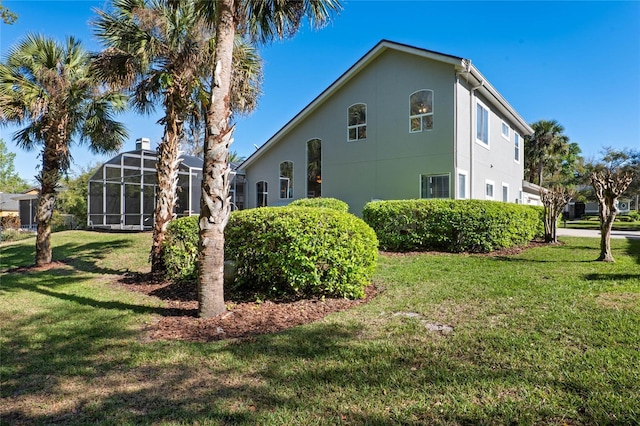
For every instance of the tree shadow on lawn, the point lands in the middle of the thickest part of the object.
(46, 282)
(315, 374)
(84, 257)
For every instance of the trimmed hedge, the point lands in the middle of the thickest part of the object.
(475, 226)
(329, 203)
(180, 248)
(301, 251)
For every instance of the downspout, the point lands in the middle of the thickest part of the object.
(456, 190)
(471, 136)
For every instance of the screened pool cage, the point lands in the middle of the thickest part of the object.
(122, 192)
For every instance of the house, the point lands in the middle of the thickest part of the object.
(24, 206)
(122, 192)
(9, 206)
(401, 123)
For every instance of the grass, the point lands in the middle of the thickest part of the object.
(595, 224)
(544, 337)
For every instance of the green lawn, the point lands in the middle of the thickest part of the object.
(544, 337)
(595, 224)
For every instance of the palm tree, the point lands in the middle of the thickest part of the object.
(162, 52)
(50, 89)
(262, 21)
(543, 148)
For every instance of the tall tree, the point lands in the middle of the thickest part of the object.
(10, 181)
(162, 52)
(262, 21)
(548, 152)
(49, 88)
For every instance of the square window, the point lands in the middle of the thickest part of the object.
(505, 131)
(434, 186)
(489, 190)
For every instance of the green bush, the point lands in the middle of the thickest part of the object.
(180, 249)
(9, 222)
(452, 225)
(329, 203)
(11, 234)
(634, 215)
(301, 251)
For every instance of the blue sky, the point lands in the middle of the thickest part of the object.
(576, 62)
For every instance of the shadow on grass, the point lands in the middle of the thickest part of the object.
(84, 257)
(45, 282)
(317, 374)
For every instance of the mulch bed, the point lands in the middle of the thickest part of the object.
(179, 320)
(244, 319)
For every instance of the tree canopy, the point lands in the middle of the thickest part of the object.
(550, 158)
(10, 180)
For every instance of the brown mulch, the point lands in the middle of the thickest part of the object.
(179, 320)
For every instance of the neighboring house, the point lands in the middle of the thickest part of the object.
(9, 206)
(122, 191)
(401, 123)
(26, 206)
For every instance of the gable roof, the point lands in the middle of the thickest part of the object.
(462, 66)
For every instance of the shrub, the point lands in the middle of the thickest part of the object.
(15, 235)
(9, 222)
(634, 215)
(452, 225)
(301, 251)
(180, 249)
(329, 203)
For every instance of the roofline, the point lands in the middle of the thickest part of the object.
(498, 100)
(461, 65)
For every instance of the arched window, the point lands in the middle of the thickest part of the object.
(357, 122)
(261, 194)
(421, 111)
(286, 179)
(314, 168)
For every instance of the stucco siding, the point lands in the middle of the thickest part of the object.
(389, 162)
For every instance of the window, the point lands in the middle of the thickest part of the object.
(505, 130)
(462, 185)
(261, 194)
(436, 186)
(516, 148)
(357, 124)
(505, 192)
(421, 111)
(488, 192)
(286, 180)
(314, 168)
(482, 124)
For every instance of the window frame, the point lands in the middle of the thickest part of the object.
(447, 175)
(516, 147)
(505, 186)
(507, 135)
(264, 193)
(290, 184)
(480, 141)
(489, 183)
(466, 185)
(357, 127)
(422, 115)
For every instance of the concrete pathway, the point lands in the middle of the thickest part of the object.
(633, 235)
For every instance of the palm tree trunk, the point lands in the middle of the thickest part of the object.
(215, 204)
(167, 172)
(49, 177)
